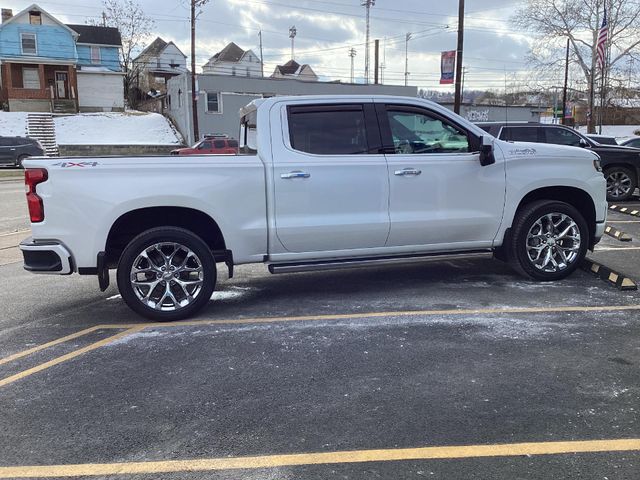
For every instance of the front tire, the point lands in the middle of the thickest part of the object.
(549, 240)
(166, 274)
(621, 183)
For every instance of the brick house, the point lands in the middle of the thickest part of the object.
(41, 60)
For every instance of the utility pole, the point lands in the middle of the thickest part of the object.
(352, 54)
(261, 58)
(406, 59)
(194, 93)
(292, 35)
(566, 81)
(383, 65)
(376, 61)
(457, 98)
(104, 18)
(367, 4)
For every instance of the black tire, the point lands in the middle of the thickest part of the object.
(518, 250)
(170, 275)
(621, 183)
(20, 159)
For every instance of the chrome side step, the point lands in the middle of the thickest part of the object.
(373, 261)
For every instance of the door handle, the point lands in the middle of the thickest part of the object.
(408, 171)
(295, 174)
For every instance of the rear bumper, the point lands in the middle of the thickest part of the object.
(46, 256)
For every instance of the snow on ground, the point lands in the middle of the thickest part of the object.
(128, 128)
(620, 132)
(13, 124)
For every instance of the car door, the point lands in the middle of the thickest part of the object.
(439, 192)
(331, 187)
(7, 150)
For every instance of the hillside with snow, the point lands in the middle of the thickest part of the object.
(109, 128)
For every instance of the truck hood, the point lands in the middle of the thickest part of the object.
(524, 149)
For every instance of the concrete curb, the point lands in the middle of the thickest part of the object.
(627, 210)
(615, 279)
(617, 234)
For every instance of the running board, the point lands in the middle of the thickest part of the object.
(373, 261)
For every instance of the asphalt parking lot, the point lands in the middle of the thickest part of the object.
(451, 370)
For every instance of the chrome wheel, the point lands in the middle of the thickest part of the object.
(167, 276)
(619, 184)
(553, 242)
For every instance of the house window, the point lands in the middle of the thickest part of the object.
(95, 54)
(35, 18)
(29, 44)
(30, 78)
(213, 102)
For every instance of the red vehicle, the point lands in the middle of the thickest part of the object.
(213, 145)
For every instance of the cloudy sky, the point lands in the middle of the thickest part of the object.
(326, 29)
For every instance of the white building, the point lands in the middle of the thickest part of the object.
(232, 60)
(158, 63)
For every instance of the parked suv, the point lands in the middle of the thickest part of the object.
(621, 165)
(210, 145)
(13, 150)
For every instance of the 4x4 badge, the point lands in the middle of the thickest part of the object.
(75, 164)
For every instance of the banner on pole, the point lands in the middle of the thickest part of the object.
(447, 67)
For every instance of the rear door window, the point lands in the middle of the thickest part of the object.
(328, 130)
(218, 144)
(520, 134)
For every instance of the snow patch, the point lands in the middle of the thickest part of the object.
(13, 124)
(618, 131)
(136, 336)
(112, 128)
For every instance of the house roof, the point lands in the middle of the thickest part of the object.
(154, 48)
(97, 35)
(230, 53)
(43, 11)
(289, 68)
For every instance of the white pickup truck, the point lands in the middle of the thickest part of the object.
(322, 182)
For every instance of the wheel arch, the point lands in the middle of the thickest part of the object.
(134, 222)
(574, 196)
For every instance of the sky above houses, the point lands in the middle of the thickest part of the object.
(326, 29)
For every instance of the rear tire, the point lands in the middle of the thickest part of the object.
(621, 183)
(166, 274)
(548, 240)
(20, 159)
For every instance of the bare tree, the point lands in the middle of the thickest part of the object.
(553, 21)
(135, 27)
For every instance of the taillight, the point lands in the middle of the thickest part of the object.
(32, 177)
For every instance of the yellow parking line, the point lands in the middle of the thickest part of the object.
(68, 356)
(354, 456)
(407, 313)
(29, 351)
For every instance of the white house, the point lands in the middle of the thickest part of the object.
(295, 71)
(158, 63)
(232, 60)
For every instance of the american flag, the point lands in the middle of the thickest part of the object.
(602, 39)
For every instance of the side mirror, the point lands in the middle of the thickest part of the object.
(584, 143)
(486, 151)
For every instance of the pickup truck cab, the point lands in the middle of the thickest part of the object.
(323, 182)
